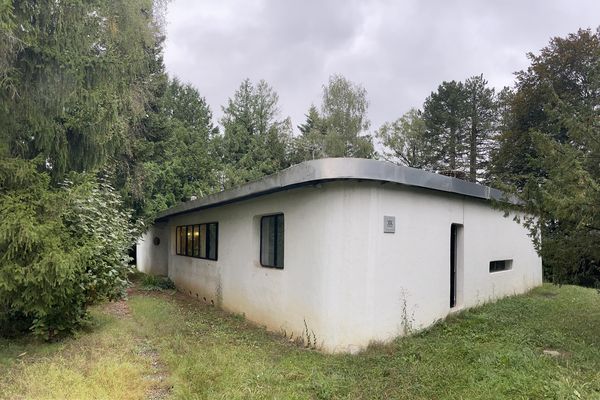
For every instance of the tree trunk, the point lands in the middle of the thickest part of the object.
(473, 151)
(452, 155)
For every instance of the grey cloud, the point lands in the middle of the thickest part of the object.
(398, 50)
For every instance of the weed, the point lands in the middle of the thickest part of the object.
(309, 337)
(153, 282)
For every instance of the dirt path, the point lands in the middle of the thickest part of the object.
(158, 374)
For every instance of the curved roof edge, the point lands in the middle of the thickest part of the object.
(332, 169)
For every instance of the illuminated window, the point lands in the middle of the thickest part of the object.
(198, 241)
(190, 244)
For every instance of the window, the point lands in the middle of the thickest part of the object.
(500, 265)
(271, 241)
(198, 241)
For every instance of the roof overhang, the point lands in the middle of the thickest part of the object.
(335, 169)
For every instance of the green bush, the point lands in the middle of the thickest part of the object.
(152, 282)
(61, 249)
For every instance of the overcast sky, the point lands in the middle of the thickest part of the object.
(398, 50)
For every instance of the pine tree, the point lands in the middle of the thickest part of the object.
(76, 74)
(255, 141)
(461, 121)
(481, 117)
(444, 112)
(73, 80)
(310, 144)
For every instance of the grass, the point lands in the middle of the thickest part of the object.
(167, 346)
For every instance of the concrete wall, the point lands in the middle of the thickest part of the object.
(350, 282)
(391, 284)
(153, 258)
(280, 299)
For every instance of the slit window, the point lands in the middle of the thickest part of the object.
(271, 241)
(196, 241)
(178, 245)
(500, 265)
(211, 241)
(199, 241)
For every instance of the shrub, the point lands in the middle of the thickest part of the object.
(152, 282)
(61, 249)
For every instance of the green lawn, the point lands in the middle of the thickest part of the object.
(164, 345)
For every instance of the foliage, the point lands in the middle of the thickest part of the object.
(344, 119)
(61, 249)
(444, 115)
(405, 142)
(549, 154)
(339, 129)
(153, 282)
(73, 78)
(175, 157)
(255, 142)
(460, 120)
(482, 122)
(311, 143)
(73, 87)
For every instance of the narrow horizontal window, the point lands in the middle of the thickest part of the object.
(500, 265)
(199, 241)
(271, 241)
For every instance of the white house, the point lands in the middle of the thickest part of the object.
(354, 250)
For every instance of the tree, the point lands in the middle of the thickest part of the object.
(405, 141)
(61, 248)
(74, 78)
(444, 112)
(344, 118)
(481, 118)
(310, 144)
(461, 121)
(175, 156)
(73, 87)
(549, 152)
(255, 141)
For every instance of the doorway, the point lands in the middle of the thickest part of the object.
(455, 262)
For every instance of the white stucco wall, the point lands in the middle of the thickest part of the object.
(280, 299)
(393, 283)
(347, 279)
(151, 258)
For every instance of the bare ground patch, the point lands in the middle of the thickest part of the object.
(157, 375)
(118, 308)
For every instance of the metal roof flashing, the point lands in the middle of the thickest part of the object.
(334, 169)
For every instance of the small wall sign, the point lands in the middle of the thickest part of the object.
(389, 224)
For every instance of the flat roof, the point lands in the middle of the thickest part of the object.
(336, 169)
